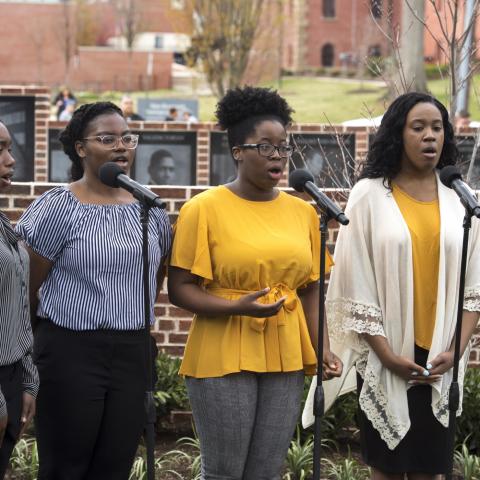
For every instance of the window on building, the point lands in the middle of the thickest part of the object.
(329, 8)
(376, 7)
(159, 42)
(328, 55)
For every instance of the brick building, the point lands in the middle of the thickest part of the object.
(52, 42)
(336, 33)
(78, 42)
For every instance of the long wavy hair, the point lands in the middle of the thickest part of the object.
(385, 152)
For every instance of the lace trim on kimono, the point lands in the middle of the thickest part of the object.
(471, 299)
(373, 401)
(347, 319)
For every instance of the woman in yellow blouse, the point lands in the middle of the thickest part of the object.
(240, 253)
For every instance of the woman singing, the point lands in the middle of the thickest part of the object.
(392, 299)
(18, 375)
(245, 260)
(85, 244)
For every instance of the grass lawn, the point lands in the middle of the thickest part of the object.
(315, 100)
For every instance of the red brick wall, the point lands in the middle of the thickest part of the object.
(172, 323)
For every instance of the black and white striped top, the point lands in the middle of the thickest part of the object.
(96, 278)
(15, 331)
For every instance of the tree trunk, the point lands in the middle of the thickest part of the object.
(411, 69)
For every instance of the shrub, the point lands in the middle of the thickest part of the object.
(345, 469)
(171, 393)
(468, 424)
(24, 459)
(434, 71)
(467, 465)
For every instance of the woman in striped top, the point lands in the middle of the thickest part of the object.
(85, 245)
(18, 375)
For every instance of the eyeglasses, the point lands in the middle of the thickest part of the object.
(267, 149)
(129, 141)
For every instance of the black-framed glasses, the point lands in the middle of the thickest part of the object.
(129, 140)
(267, 149)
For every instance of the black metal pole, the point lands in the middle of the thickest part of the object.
(319, 398)
(149, 400)
(454, 392)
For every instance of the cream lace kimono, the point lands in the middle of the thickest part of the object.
(371, 291)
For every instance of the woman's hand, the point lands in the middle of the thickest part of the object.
(248, 305)
(441, 363)
(332, 366)
(28, 411)
(409, 370)
(185, 291)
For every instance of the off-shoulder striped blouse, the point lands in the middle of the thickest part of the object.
(96, 278)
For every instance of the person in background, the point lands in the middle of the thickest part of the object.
(245, 261)
(161, 168)
(61, 100)
(18, 375)
(462, 119)
(172, 115)
(67, 113)
(188, 117)
(85, 246)
(128, 110)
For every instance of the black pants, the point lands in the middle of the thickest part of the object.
(11, 384)
(90, 407)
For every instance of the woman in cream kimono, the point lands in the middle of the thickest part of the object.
(393, 294)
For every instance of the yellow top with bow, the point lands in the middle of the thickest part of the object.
(237, 246)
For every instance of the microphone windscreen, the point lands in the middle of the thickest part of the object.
(298, 178)
(448, 174)
(108, 174)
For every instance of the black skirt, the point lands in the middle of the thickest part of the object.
(425, 447)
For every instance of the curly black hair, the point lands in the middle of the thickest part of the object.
(242, 109)
(75, 131)
(385, 152)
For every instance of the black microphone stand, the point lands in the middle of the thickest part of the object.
(454, 392)
(151, 414)
(319, 398)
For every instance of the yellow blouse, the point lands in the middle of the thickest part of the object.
(239, 246)
(423, 221)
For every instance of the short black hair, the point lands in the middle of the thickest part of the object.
(385, 151)
(159, 155)
(242, 109)
(75, 130)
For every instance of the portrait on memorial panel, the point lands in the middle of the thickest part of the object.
(58, 162)
(18, 114)
(222, 166)
(166, 158)
(470, 170)
(329, 158)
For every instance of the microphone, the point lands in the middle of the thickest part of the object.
(302, 181)
(112, 175)
(450, 176)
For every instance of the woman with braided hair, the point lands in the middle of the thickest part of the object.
(85, 245)
(245, 260)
